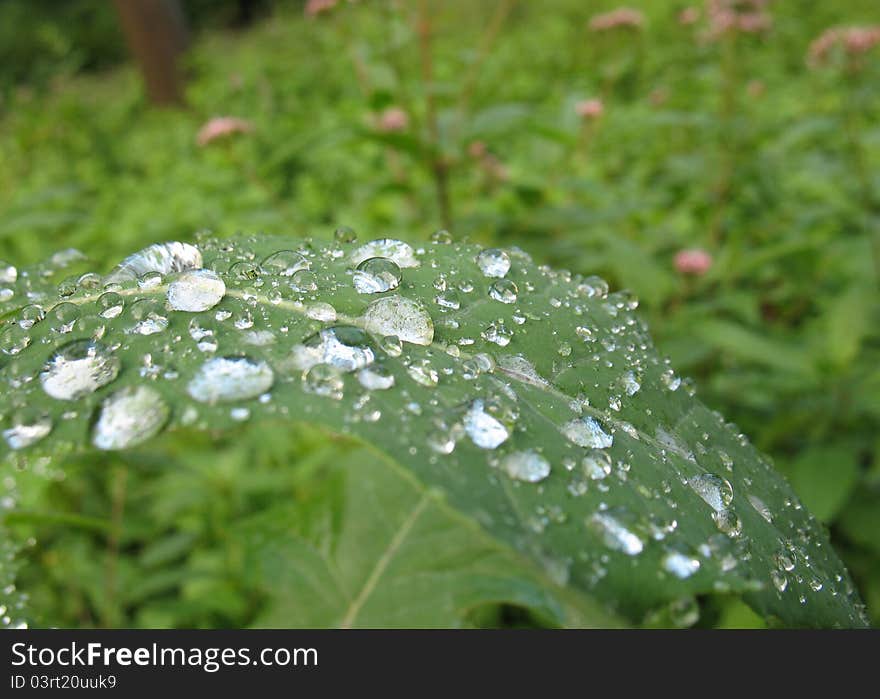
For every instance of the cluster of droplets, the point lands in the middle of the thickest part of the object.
(232, 331)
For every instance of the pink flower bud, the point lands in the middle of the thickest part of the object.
(590, 109)
(694, 261)
(222, 127)
(393, 119)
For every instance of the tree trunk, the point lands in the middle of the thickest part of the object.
(156, 34)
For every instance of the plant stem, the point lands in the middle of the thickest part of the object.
(438, 165)
(117, 513)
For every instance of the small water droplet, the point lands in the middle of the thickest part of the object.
(28, 426)
(284, 263)
(503, 290)
(398, 251)
(587, 432)
(612, 526)
(528, 466)
(485, 431)
(714, 490)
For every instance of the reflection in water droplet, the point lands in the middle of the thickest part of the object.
(493, 262)
(284, 263)
(680, 564)
(376, 275)
(423, 372)
(28, 426)
(528, 466)
(398, 251)
(111, 304)
(324, 380)
(376, 378)
(484, 430)
(503, 290)
(128, 417)
(596, 464)
(400, 316)
(162, 259)
(196, 290)
(498, 333)
(714, 490)
(320, 311)
(226, 379)
(587, 432)
(344, 347)
(612, 528)
(77, 369)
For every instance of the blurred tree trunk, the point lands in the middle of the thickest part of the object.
(156, 34)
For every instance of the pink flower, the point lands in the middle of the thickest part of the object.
(622, 17)
(854, 41)
(693, 261)
(590, 109)
(736, 16)
(221, 127)
(316, 7)
(393, 119)
(688, 16)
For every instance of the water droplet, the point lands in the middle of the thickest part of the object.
(714, 490)
(147, 314)
(110, 305)
(344, 347)
(324, 380)
(163, 258)
(14, 339)
(28, 426)
(612, 527)
(320, 311)
(64, 317)
(498, 333)
(304, 281)
(128, 417)
(441, 237)
(422, 372)
(398, 251)
(196, 290)
(484, 430)
(78, 369)
(376, 275)
(779, 579)
(8, 273)
(400, 316)
(284, 263)
(226, 379)
(344, 234)
(448, 298)
(587, 432)
(528, 466)
(493, 262)
(376, 378)
(503, 290)
(596, 464)
(670, 380)
(680, 565)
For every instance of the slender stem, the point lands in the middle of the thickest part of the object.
(438, 164)
(117, 514)
(723, 183)
(469, 83)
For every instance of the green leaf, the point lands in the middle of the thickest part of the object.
(524, 430)
(824, 476)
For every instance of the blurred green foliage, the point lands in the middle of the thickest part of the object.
(734, 146)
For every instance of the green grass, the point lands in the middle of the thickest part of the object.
(736, 147)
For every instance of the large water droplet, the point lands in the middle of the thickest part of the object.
(284, 263)
(376, 275)
(493, 262)
(128, 417)
(400, 316)
(587, 432)
(345, 347)
(196, 290)
(162, 258)
(398, 251)
(528, 466)
(78, 369)
(227, 379)
(503, 290)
